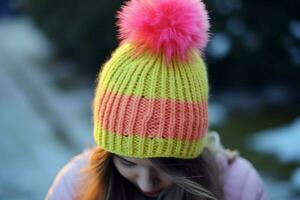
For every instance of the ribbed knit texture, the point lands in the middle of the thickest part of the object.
(146, 108)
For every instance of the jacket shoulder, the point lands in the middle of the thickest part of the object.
(66, 181)
(242, 181)
(239, 177)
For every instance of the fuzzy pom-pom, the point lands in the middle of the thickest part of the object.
(171, 27)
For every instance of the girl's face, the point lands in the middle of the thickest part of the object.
(143, 174)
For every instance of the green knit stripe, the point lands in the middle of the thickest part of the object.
(149, 76)
(148, 147)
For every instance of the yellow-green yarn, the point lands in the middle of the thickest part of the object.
(133, 75)
(149, 147)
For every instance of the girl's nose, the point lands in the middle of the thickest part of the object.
(147, 180)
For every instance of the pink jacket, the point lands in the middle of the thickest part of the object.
(240, 179)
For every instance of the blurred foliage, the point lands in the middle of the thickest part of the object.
(81, 30)
(241, 128)
(260, 47)
(262, 43)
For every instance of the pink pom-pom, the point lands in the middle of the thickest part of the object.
(171, 27)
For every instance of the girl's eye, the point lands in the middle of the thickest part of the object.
(127, 163)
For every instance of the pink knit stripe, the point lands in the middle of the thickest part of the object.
(152, 117)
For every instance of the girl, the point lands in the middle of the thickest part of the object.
(151, 120)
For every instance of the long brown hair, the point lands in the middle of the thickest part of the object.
(195, 179)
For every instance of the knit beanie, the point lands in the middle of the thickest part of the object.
(152, 94)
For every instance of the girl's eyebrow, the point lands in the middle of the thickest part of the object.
(125, 159)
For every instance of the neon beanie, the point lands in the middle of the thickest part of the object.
(151, 97)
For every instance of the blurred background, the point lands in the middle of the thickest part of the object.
(51, 51)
